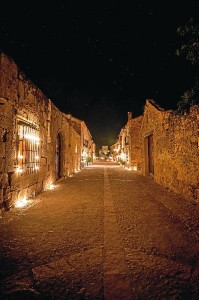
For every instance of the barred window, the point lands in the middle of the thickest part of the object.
(28, 149)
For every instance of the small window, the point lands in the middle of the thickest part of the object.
(28, 149)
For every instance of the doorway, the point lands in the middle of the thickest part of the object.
(149, 155)
(58, 157)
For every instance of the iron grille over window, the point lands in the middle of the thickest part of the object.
(28, 149)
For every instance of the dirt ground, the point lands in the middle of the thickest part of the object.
(104, 233)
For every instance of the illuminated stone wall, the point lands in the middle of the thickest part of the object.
(175, 148)
(7, 154)
(23, 104)
(87, 146)
(135, 157)
(128, 147)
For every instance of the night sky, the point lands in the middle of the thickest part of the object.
(98, 61)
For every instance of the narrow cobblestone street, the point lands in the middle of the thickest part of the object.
(104, 233)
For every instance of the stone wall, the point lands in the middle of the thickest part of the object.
(7, 155)
(21, 102)
(24, 107)
(128, 148)
(86, 146)
(175, 148)
(74, 150)
(135, 143)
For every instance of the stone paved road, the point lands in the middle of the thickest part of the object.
(105, 233)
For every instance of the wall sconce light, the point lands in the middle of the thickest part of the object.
(21, 203)
(134, 168)
(51, 186)
(123, 156)
(19, 170)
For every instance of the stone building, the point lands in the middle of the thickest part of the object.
(115, 149)
(128, 147)
(104, 153)
(170, 148)
(163, 145)
(105, 149)
(134, 143)
(38, 143)
(86, 146)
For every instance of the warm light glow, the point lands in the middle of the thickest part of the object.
(128, 169)
(36, 157)
(19, 170)
(84, 154)
(21, 202)
(134, 168)
(36, 168)
(31, 137)
(20, 156)
(51, 186)
(123, 156)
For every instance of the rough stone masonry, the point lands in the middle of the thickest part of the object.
(38, 143)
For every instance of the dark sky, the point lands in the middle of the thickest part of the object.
(97, 61)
